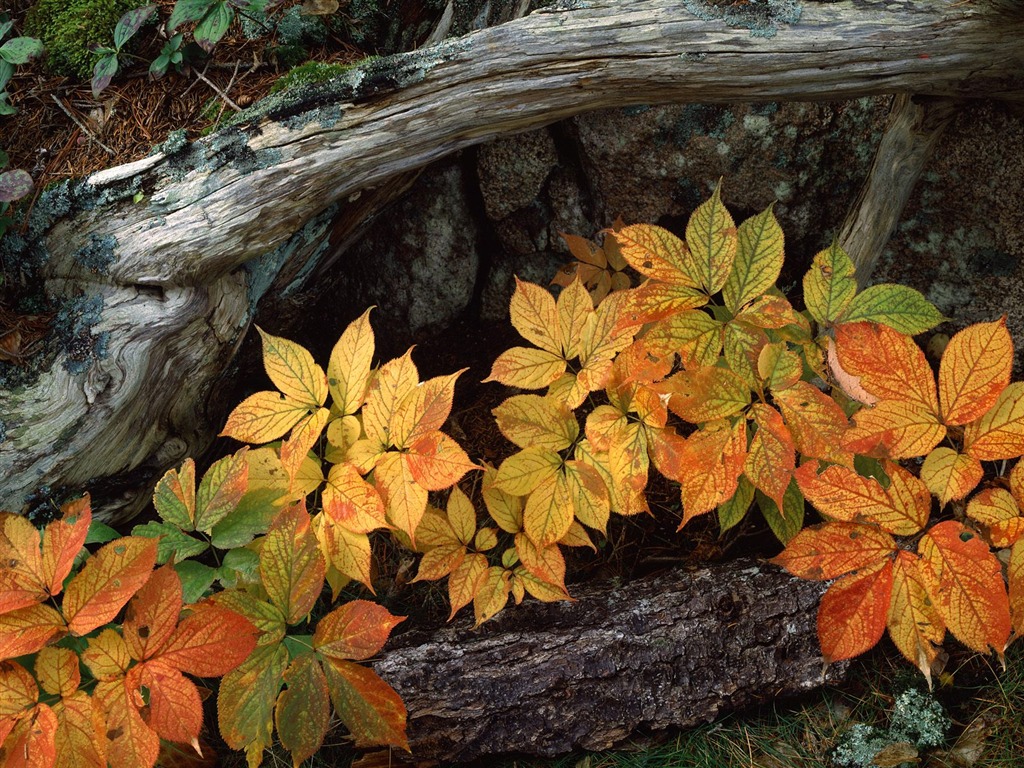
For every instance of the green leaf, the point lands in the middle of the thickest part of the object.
(898, 306)
(100, 533)
(784, 526)
(196, 578)
(130, 23)
(711, 237)
(303, 708)
(21, 50)
(759, 257)
(103, 73)
(250, 518)
(213, 26)
(173, 541)
(188, 10)
(222, 487)
(829, 285)
(245, 702)
(731, 512)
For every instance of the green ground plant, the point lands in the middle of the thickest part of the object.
(70, 30)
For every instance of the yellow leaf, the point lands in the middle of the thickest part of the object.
(527, 368)
(1015, 577)
(463, 580)
(491, 593)
(56, 669)
(293, 371)
(628, 463)
(404, 500)
(395, 379)
(894, 429)
(342, 434)
(759, 257)
(486, 539)
(437, 462)
(591, 503)
(546, 563)
(656, 253)
(461, 516)
(348, 551)
(304, 436)
(999, 433)
(533, 313)
(950, 475)
(779, 366)
(829, 285)
(694, 335)
(974, 370)
(351, 502)
(348, 371)
(915, 624)
(505, 509)
(574, 308)
(522, 472)
(742, 348)
(549, 511)
(654, 300)
(997, 512)
(605, 334)
(712, 240)
(263, 417)
(423, 410)
(532, 420)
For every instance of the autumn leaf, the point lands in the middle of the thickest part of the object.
(829, 285)
(549, 511)
(263, 417)
(106, 582)
(247, 697)
(694, 335)
(526, 368)
(522, 472)
(829, 550)
(897, 306)
(292, 370)
(348, 370)
(999, 433)
(545, 563)
(291, 564)
(712, 240)
(852, 614)
(950, 475)
(355, 631)
(655, 252)
(815, 421)
(894, 429)
(492, 591)
(533, 313)
(758, 262)
(974, 370)
(532, 420)
(303, 709)
(1015, 579)
(371, 710)
(705, 394)
(997, 511)
(463, 580)
(771, 458)
(889, 364)
(915, 624)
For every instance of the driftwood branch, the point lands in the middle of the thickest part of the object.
(157, 245)
(671, 651)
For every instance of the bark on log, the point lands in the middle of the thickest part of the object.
(674, 650)
(265, 194)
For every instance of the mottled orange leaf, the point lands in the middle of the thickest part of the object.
(705, 394)
(997, 512)
(533, 313)
(532, 420)
(303, 709)
(999, 433)
(356, 630)
(852, 614)
(106, 655)
(829, 285)
(130, 742)
(758, 262)
(974, 370)
(742, 349)
(545, 563)
(771, 312)
(210, 642)
(300, 442)
(62, 541)
(606, 333)
(423, 411)
(527, 368)
(56, 669)
(80, 739)
(31, 741)
(915, 624)
(152, 614)
(965, 581)
(436, 461)
(18, 691)
(222, 487)
(405, 500)
(657, 253)
(771, 458)
(388, 389)
(815, 421)
(894, 429)
(28, 629)
(351, 502)
(890, 365)
(371, 710)
(175, 708)
(845, 380)
(694, 335)
(348, 370)
(291, 564)
(829, 550)
(293, 371)
(655, 300)
(628, 460)
(950, 475)
(492, 591)
(108, 580)
(710, 463)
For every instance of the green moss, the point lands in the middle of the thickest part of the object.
(68, 28)
(313, 72)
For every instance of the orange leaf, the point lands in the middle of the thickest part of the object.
(246, 699)
(31, 742)
(771, 459)
(424, 410)
(62, 541)
(130, 742)
(304, 436)
(436, 461)
(1015, 577)
(546, 563)
(852, 614)
(895, 430)
(369, 707)
(742, 349)
(527, 368)
(827, 551)
(18, 691)
(966, 582)
(591, 502)
(997, 511)
(303, 709)
(80, 740)
(950, 475)
(152, 614)
(106, 656)
(293, 371)
(710, 465)
(28, 629)
(210, 642)
(815, 420)
(356, 630)
(175, 709)
(705, 394)
(291, 564)
(915, 624)
(999, 433)
(348, 371)
(108, 580)
(533, 313)
(655, 300)
(890, 365)
(974, 370)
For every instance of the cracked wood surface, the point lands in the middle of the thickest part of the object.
(674, 650)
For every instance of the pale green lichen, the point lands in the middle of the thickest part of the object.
(762, 17)
(917, 720)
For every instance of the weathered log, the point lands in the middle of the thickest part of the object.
(673, 650)
(165, 304)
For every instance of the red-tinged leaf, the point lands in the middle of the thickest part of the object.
(574, 309)
(654, 300)
(533, 313)
(31, 741)
(209, 642)
(895, 430)
(80, 740)
(771, 312)
(423, 411)
(28, 629)
(759, 256)
(527, 368)
(152, 614)
(915, 624)
(591, 502)
(549, 511)
(522, 472)
(532, 420)
(302, 439)
(348, 370)
(351, 502)
(57, 670)
(829, 285)
(263, 417)
(966, 582)
(845, 380)
(175, 496)
(291, 564)
(355, 631)
(829, 550)
(462, 582)
(304, 708)
(712, 240)
(694, 335)
(266, 618)
(545, 563)
(62, 540)
(346, 551)
(108, 580)
(815, 421)
(393, 382)
(106, 656)
(999, 433)
(18, 691)
(369, 707)
(890, 365)
(22, 582)
(772, 455)
(1015, 579)
(246, 699)
(656, 253)
(130, 742)
(997, 512)
(710, 466)
(293, 371)
(852, 614)
(404, 499)
(974, 370)
(705, 394)
(910, 501)
(175, 708)
(603, 424)
(492, 591)
(950, 475)
(436, 461)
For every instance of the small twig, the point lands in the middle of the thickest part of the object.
(192, 84)
(86, 131)
(227, 99)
